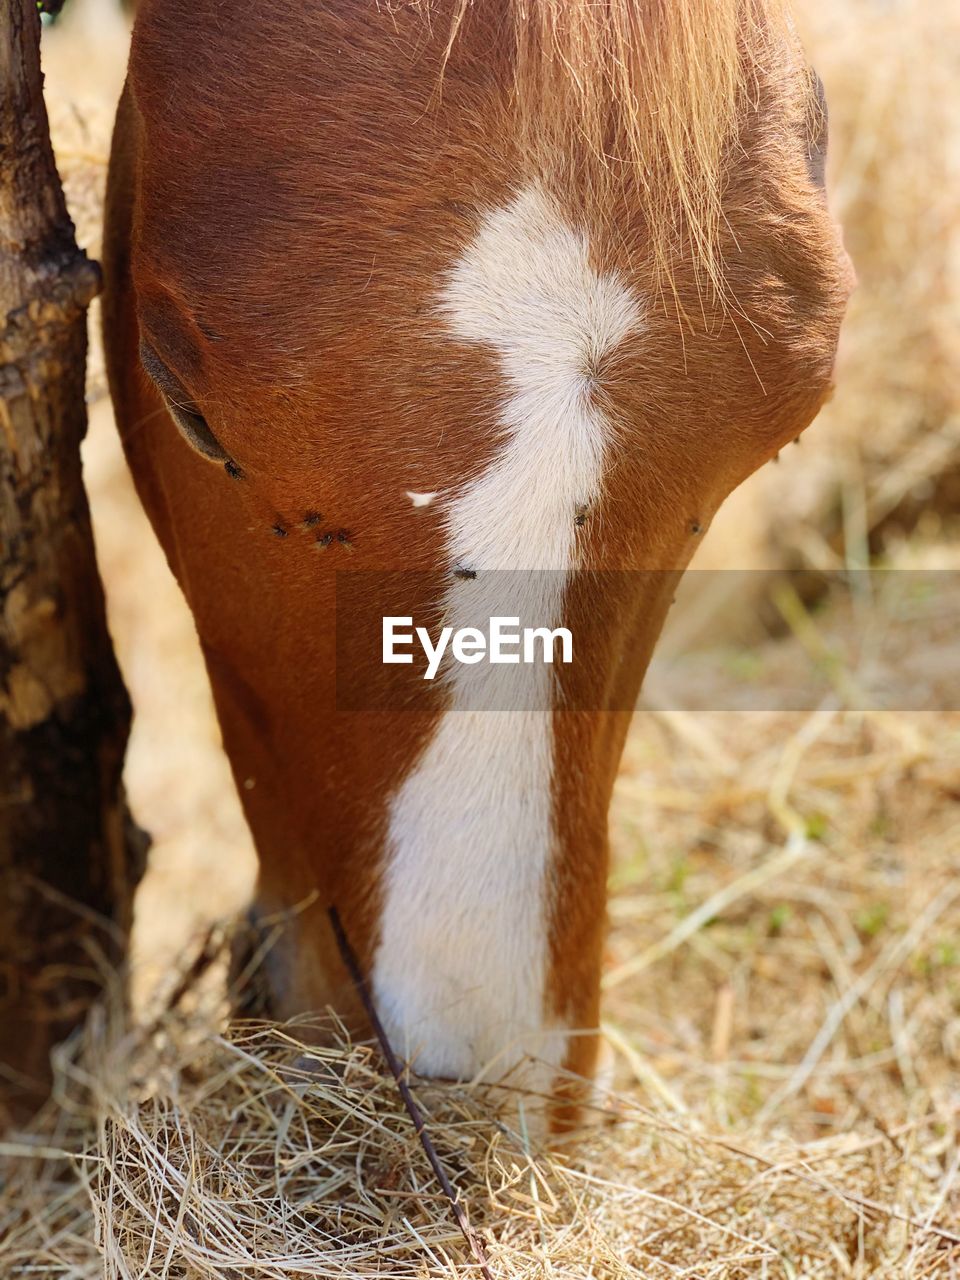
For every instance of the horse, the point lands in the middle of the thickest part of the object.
(449, 292)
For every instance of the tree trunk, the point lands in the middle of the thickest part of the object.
(68, 855)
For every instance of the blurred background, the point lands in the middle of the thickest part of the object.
(785, 943)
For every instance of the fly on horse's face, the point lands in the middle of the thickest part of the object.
(354, 323)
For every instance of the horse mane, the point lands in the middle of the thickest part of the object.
(654, 91)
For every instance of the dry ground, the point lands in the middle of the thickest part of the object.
(783, 977)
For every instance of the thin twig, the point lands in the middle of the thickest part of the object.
(210, 950)
(474, 1243)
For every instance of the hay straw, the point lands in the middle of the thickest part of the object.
(264, 1155)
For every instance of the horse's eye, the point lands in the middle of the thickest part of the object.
(190, 421)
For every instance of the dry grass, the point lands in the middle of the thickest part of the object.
(882, 460)
(783, 978)
(893, 73)
(783, 1005)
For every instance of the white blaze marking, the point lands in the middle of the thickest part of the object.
(460, 971)
(420, 499)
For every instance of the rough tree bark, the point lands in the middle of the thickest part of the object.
(68, 856)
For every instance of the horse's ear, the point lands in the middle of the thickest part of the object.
(818, 129)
